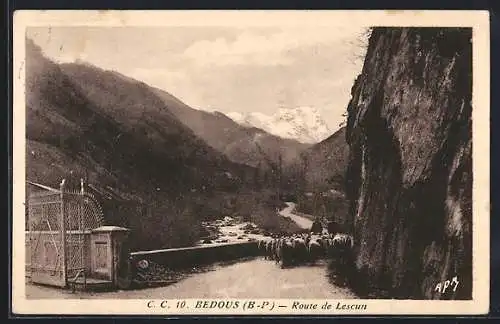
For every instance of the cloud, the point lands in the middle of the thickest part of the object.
(228, 69)
(144, 73)
(248, 48)
(253, 48)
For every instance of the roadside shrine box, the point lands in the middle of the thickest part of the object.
(107, 244)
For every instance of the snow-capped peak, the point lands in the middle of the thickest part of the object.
(302, 123)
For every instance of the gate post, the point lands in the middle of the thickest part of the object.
(63, 232)
(110, 254)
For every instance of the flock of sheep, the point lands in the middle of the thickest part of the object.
(305, 248)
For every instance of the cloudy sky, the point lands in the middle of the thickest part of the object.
(224, 68)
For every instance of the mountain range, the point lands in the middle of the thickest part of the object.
(146, 147)
(303, 124)
(243, 144)
(112, 127)
(114, 131)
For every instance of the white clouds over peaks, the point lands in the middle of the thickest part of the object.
(247, 48)
(253, 48)
(253, 69)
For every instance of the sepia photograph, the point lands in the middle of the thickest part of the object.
(251, 162)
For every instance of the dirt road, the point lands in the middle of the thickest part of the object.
(301, 221)
(256, 278)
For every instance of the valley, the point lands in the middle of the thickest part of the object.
(158, 165)
(394, 180)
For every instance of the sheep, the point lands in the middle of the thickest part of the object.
(302, 248)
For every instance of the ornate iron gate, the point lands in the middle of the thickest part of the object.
(59, 234)
(46, 239)
(83, 213)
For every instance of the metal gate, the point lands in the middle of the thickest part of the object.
(82, 214)
(46, 239)
(60, 223)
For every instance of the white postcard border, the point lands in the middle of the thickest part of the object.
(478, 20)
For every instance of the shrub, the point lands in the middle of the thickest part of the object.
(164, 226)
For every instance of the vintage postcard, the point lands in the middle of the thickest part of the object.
(251, 162)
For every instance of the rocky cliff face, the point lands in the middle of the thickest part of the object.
(409, 178)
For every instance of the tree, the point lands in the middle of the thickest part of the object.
(279, 175)
(359, 46)
(336, 181)
(276, 169)
(345, 115)
(256, 176)
(304, 165)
